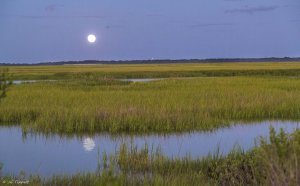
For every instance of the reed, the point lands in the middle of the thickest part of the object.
(157, 70)
(174, 105)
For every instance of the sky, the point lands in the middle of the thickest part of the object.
(34, 31)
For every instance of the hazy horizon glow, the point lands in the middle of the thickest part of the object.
(41, 31)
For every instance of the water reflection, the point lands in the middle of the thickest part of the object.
(18, 82)
(142, 80)
(88, 144)
(54, 154)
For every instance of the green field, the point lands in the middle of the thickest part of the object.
(156, 70)
(90, 103)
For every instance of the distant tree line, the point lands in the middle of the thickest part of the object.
(159, 61)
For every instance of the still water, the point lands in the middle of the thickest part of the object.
(139, 80)
(18, 82)
(142, 80)
(47, 155)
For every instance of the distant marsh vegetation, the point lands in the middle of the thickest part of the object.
(157, 70)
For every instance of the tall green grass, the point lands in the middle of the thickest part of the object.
(157, 70)
(173, 105)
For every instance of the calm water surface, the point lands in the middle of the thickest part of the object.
(143, 80)
(18, 82)
(140, 80)
(38, 154)
(136, 80)
(133, 80)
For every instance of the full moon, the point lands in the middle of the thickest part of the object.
(91, 38)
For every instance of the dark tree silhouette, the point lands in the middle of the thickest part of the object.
(4, 82)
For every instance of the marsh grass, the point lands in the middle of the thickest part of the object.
(273, 162)
(280, 158)
(157, 70)
(174, 105)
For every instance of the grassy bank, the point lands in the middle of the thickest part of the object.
(274, 163)
(157, 70)
(174, 105)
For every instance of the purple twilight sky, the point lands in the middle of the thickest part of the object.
(56, 30)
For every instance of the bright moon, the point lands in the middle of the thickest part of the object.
(91, 38)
